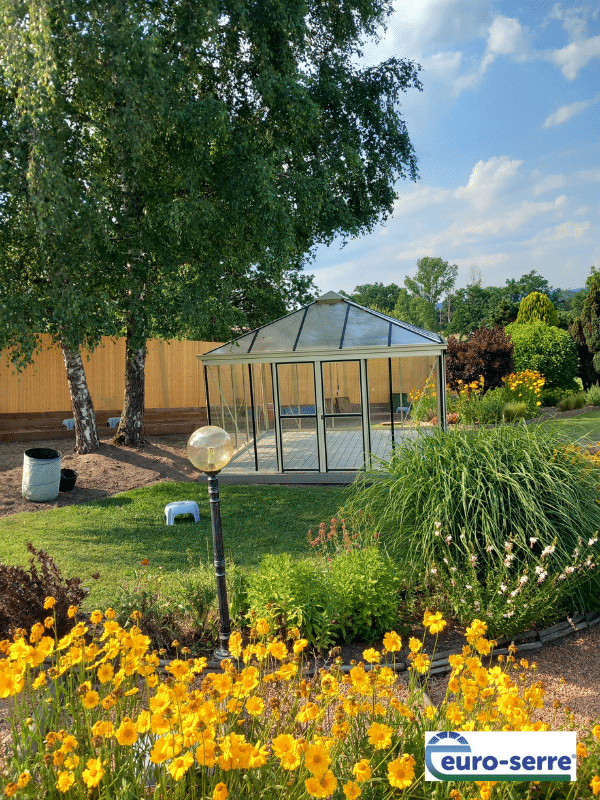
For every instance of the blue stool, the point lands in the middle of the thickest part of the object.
(69, 424)
(173, 510)
(112, 422)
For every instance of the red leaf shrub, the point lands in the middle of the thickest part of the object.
(488, 352)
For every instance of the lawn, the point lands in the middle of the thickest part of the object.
(112, 536)
(583, 429)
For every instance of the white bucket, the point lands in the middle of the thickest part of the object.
(41, 474)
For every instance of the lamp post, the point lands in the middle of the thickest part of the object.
(210, 450)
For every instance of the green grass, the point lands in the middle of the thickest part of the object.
(112, 536)
(583, 429)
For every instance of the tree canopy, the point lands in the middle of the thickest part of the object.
(166, 167)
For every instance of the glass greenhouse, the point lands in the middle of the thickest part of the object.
(324, 388)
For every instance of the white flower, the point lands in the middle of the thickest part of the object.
(446, 561)
(532, 541)
(448, 539)
(569, 570)
(507, 561)
(433, 571)
(489, 548)
(502, 588)
(541, 576)
(548, 550)
(508, 546)
(509, 614)
(438, 525)
(593, 541)
(468, 587)
(523, 579)
(476, 606)
(473, 559)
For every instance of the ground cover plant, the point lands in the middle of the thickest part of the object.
(503, 519)
(111, 537)
(105, 722)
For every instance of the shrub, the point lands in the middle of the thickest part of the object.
(485, 488)
(514, 411)
(350, 596)
(545, 349)
(537, 307)
(592, 396)
(552, 396)
(525, 387)
(487, 354)
(491, 407)
(23, 594)
(571, 402)
(424, 402)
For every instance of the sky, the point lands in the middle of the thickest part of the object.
(507, 136)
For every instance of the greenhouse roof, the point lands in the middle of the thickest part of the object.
(332, 323)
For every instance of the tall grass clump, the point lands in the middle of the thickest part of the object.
(502, 519)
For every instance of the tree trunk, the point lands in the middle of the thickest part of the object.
(129, 432)
(86, 435)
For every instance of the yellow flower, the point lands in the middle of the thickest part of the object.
(454, 714)
(392, 642)
(595, 785)
(372, 656)
(105, 672)
(127, 733)
(434, 622)
(220, 792)
(179, 766)
(262, 626)
(308, 712)
(278, 650)
(362, 770)
(380, 736)
(23, 779)
(421, 663)
(581, 750)
(351, 790)
(323, 786)
(255, 706)
(65, 780)
(49, 602)
(93, 774)
(235, 644)
(401, 772)
(316, 759)
(10, 789)
(91, 699)
(285, 748)
(414, 644)
(300, 645)
(96, 617)
(72, 610)
(596, 731)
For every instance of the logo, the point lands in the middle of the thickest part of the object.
(500, 756)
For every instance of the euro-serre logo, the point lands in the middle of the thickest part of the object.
(500, 756)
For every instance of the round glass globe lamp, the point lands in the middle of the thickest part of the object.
(210, 448)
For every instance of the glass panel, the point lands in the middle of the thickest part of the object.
(297, 416)
(341, 387)
(323, 326)
(364, 329)
(402, 335)
(280, 336)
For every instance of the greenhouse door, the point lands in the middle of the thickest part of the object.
(296, 418)
(343, 424)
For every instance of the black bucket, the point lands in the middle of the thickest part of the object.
(67, 480)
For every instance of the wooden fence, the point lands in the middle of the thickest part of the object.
(174, 378)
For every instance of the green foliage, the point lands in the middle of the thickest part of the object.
(552, 396)
(434, 279)
(530, 282)
(351, 596)
(585, 330)
(537, 307)
(515, 410)
(376, 296)
(592, 396)
(491, 407)
(23, 593)
(485, 488)
(571, 402)
(487, 353)
(545, 349)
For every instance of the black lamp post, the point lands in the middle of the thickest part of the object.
(210, 450)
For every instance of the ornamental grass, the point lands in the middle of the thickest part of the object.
(104, 721)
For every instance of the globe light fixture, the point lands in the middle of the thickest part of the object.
(210, 449)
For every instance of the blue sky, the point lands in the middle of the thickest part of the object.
(507, 133)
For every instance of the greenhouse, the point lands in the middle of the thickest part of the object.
(323, 389)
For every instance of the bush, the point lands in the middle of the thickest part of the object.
(349, 597)
(537, 307)
(553, 396)
(485, 489)
(525, 387)
(592, 396)
(487, 354)
(514, 411)
(572, 401)
(545, 349)
(23, 594)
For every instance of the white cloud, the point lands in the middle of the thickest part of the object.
(570, 230)
(487, 179)
(573, 20)
(419, 27)
(421, 197)
(576, 56)
(565, 113)
(588, 175)
(506, 37)
(548, 183)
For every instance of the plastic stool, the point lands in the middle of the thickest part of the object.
(112, 422)
(173, 510)
(69, 424)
